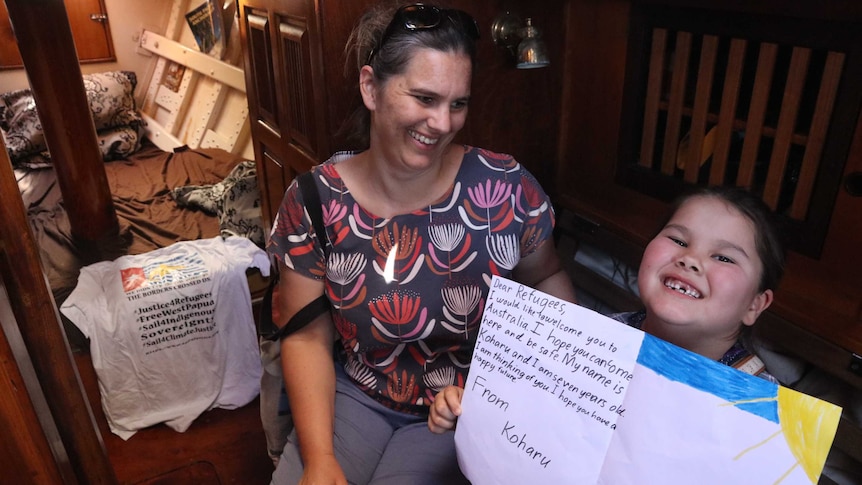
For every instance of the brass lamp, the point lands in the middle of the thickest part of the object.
(522, 39)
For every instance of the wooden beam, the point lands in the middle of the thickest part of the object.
(159, 135)
(27, 455)
(46, 45)
(81, 449)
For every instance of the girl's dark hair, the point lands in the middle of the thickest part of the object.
(767, 235)
(392, 57)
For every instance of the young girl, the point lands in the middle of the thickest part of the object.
(709, 274)
(703, 280)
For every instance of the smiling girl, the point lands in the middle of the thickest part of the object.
(709, 274)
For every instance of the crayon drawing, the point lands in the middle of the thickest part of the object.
(751, 430)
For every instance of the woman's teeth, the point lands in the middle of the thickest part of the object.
(422, 139)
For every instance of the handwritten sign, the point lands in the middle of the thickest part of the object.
(560, 394)
(545, 374)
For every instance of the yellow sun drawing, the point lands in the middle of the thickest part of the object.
(808, 425)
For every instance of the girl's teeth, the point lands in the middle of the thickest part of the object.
(677, 286)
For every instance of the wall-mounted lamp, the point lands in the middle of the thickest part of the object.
(522, 39)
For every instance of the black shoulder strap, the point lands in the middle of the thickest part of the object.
(303, 317)
(318, 306)
(311, 198)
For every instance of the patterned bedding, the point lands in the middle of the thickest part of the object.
(216, 191)
(141, 187)
(111, 99)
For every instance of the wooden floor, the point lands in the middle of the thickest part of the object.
(220, 447)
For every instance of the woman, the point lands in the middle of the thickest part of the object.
(416, 227)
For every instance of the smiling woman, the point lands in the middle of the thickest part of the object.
(427, 223)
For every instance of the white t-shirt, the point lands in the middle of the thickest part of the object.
(171, 331)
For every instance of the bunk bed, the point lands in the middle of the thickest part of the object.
(160, 196)
(177, 163)
(163, 199)
(181, 144)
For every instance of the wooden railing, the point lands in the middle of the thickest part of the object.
(693, 133)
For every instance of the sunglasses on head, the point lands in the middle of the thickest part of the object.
(425, 17)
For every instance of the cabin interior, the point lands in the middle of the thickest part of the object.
(641, 99)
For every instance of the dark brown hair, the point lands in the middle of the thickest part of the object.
(767, 234)
(392, 57)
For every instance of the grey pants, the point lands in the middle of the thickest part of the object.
(375, 445)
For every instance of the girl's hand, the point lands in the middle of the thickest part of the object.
(445, 409)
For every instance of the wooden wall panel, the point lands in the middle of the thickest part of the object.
(512, 111)
(821, 292)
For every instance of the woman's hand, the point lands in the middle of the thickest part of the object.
(323, 470)
(445, 409)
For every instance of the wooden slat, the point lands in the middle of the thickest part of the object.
(176, 20)
(756, 113)
(653, 96)
(796, 75)
(705, 74)
(817, 134)
(727, 112)
(172, 31)
(200, 62)
(197, 110)
(159, 135)
(207, 113)
(677, 100)
(175, 113)
(229, 130)
(149, 103)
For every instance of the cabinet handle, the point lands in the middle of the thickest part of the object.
(99, 17)
(853, 184)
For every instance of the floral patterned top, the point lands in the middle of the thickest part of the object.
(408, 292)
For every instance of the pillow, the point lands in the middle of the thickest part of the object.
(235, 200)
(109, 94)
(114, 143)
(119, 142)
(112, 98)
(21, 128)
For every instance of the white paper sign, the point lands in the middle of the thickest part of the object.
(542, 378)
(560, 394)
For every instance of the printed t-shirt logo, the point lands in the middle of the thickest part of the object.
(164, 272)
(133, 278)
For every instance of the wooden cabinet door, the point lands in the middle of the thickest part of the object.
(89, 22)
(285, 85)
